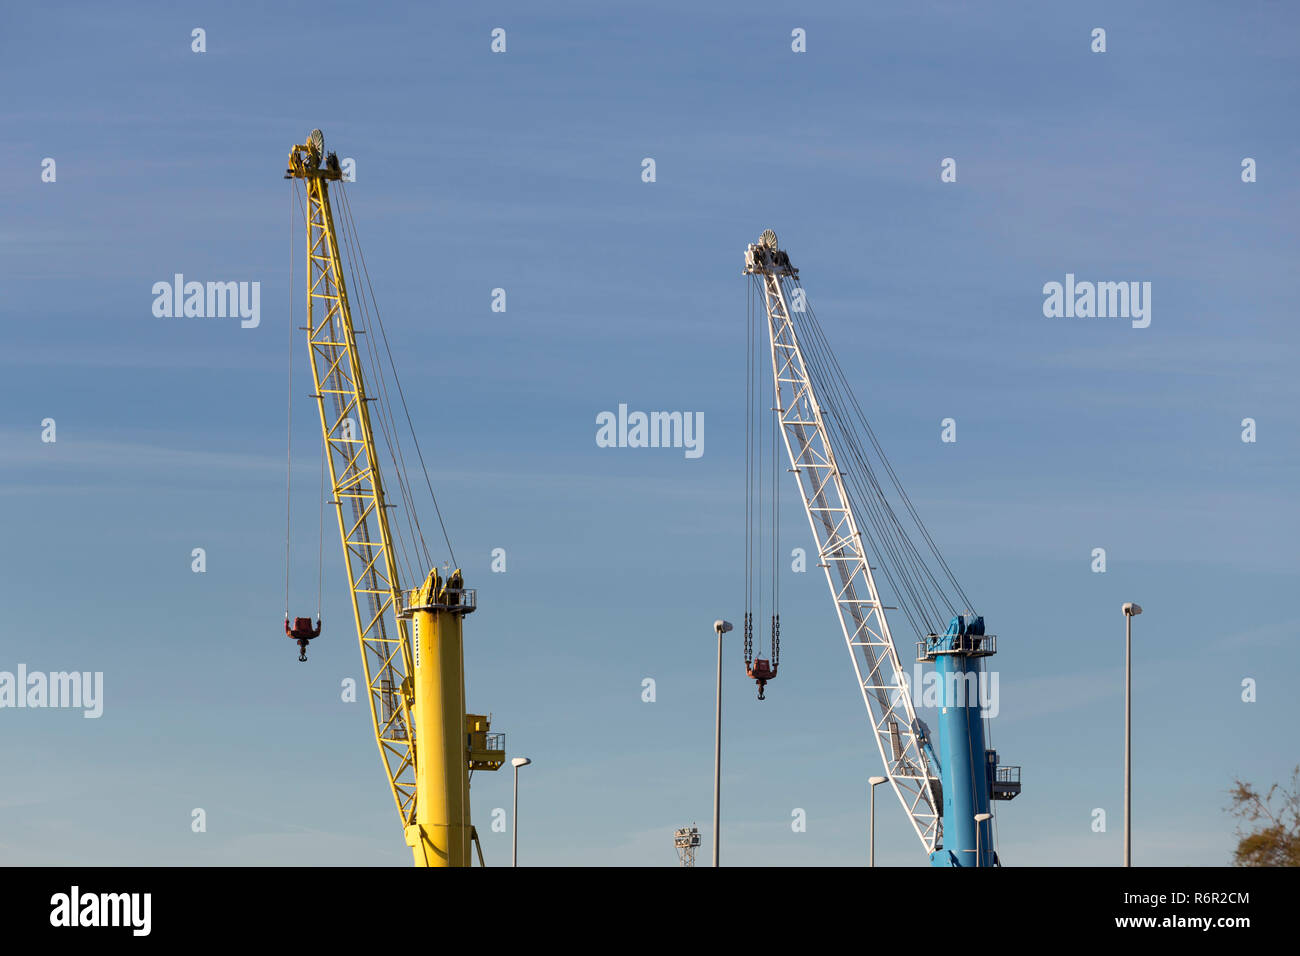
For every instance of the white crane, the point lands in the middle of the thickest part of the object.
(815, 427)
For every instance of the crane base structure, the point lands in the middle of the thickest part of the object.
(452, 742)
(969, 772)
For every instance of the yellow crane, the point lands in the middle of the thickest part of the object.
(411, 641)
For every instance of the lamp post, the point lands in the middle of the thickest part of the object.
(514, 826)
(980, 818)
(875, 782)
(1131, 611)
(720, 627)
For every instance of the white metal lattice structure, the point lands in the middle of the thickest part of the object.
(842, 555)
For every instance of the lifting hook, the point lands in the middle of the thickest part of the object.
(302, 632)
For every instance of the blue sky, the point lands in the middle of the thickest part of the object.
(522, 170)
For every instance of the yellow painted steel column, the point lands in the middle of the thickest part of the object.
(441, 834)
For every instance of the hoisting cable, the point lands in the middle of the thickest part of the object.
(773, 418)
(918, 590)
(840, 445)
(407, 567)
(750, 319)
(884, 542)
(767, 472)
(288, 469)
(980, 767)
(401, 394)
(763, 457)
(886, 539)
(392, 434)
(320, 539)
(836, 372)
(776, 537)
(988, 735)
(387, 427)
(760, 494)
(759, 482)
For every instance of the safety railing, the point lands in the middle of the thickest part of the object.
(458, 600)
(972, 645)
(1006, 783)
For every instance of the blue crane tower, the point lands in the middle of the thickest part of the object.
(968, 771)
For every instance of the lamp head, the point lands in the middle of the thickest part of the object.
(722, 627)
(1132, 610)
(520, 762)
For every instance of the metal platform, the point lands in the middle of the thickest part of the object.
(967, 645)
(1005, 783)
(456, 600)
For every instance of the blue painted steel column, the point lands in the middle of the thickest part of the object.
(961, 749)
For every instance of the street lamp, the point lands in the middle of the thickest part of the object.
(1131, 611)
(979, 828)
(514, 852)
(875, 782)
(720, 627)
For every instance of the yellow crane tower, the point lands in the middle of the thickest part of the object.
(411, 642)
